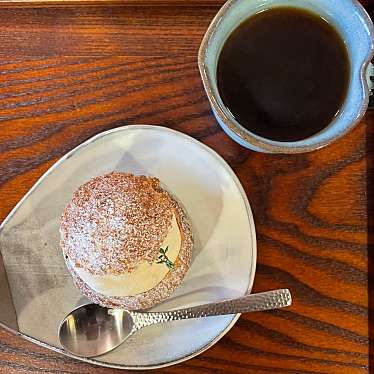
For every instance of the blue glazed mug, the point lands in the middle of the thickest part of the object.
(355, 28)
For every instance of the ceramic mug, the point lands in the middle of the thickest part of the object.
(355, 28)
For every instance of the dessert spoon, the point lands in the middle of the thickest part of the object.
(91, 330)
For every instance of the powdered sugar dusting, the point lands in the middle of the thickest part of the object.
(115, 221)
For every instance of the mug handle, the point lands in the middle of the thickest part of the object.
(370, 81)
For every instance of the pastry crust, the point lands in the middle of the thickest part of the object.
(165, 287)
(115, 221)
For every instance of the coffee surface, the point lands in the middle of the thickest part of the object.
(284, 73)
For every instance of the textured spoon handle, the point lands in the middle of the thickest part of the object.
(248, 303)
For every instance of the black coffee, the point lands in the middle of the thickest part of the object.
(284, 73)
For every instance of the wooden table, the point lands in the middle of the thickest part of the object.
(67, 73)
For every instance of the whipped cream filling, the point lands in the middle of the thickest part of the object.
(143, 278)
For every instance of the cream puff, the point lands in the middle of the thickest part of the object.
(127, 242)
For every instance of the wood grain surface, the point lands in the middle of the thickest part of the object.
(64, 3)
(68, 73)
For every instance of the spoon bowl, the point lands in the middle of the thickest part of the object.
(91, 330)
